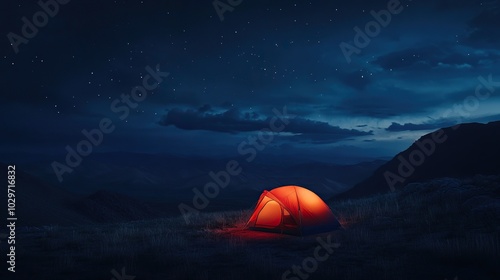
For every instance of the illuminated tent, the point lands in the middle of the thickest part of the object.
(292, 210)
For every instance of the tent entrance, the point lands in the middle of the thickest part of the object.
(273, 216)
(269, 215)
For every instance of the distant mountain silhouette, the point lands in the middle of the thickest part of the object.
(125, 187)
(161, 177)
(39, 203)
(460, 151)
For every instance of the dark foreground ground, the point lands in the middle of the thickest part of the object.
(443, 229)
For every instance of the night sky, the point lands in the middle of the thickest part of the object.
(227, 76)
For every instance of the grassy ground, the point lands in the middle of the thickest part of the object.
(439, 230)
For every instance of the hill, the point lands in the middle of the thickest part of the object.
(460, 151)
(40, 204)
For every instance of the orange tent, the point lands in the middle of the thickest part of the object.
(292, 210)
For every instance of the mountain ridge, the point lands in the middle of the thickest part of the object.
(460, 151)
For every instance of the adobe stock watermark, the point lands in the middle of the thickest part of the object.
(362, 38)
(427, 147)
(221, 7)
(40, 19)
(247, 148)
(122, 276)
(310, 264)
(120, 106)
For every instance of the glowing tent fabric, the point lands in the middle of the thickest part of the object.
(292, 210)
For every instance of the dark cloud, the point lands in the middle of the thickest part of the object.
(357, 80)
(307, 126)
(427, 57)
(235, 121)
(423, 126)
(406, 58)
(318, 138)
(387, 102)
(485, 27)
(229, 121)
(487, 119)
(205, 108)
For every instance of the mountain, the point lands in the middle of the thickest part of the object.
(161, 177)
(125, 187)
(40, 203)
(460, 151)
(327, 179)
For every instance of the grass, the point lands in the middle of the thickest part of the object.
(426, 231)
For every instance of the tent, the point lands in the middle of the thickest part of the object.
(292, 210)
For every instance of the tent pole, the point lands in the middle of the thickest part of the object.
(282, 225)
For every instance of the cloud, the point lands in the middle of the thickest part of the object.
(457, 66)
(357, 80)
(229, 121)
(485, 31)
(384, 102)
(396, 127)
(235, 121)
(327, 138)
(205, 108)
(427, 57)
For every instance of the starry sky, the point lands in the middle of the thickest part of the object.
(227, 75)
